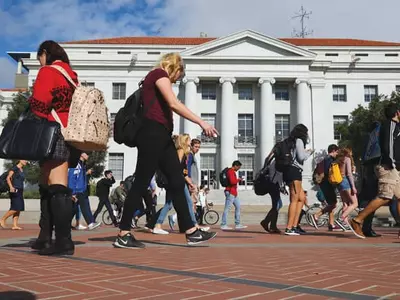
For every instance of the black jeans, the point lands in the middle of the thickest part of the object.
(104, 201)
(156, 150)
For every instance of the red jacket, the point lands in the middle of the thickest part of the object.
(233, 182)
(51, 90)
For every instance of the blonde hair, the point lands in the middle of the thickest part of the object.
(171, 63)
(181, 143)
(346, 152)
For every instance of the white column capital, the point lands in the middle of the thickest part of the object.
(263, 80)
(227, 79)
(186, 79)
(302, 80)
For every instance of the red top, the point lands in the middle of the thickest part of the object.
(233, 182)
(160, 110)
(51, 90)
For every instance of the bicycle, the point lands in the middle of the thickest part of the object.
(211, 217)
(107, 219)
(324, 219)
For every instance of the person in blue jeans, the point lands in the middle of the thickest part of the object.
(231, 197)
(77, 182)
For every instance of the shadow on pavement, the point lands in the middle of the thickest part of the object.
(29, 244)
(16, 295)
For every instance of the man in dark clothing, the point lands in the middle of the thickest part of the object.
(103, 191)
(328, 190)
(388, 169)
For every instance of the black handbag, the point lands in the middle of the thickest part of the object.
(29, 138)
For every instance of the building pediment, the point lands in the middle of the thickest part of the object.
(248, 43)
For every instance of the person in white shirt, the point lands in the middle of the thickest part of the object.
(201, 203)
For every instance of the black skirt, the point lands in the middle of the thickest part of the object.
(64, 152)
(17, 200)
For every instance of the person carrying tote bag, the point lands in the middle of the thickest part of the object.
(52, 90)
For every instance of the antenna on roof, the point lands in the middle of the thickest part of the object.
(158, 32)
(302, 15)
(203, 34)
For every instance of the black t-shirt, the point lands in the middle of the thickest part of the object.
(103, 186)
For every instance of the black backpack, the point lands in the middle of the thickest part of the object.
(128, 181)
(283, 154)
(223, 177)
(161, 180)
(129, 118)
(3, 183)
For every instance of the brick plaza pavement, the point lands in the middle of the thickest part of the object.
(249, 264)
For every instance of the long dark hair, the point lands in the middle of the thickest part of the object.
(53, 52)
(300, 131)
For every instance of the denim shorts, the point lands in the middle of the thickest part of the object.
(344, 185)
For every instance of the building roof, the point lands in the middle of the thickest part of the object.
(150, 40)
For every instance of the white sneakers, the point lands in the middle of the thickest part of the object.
(237, 227)
(159, 231)
(93, 225)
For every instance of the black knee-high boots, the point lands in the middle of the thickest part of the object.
(60, 210)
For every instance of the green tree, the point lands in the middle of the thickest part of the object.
(32, 170)
(355, 132)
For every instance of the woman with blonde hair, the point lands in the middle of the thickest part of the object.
(156, 150)
(182, 144)
(347, 187)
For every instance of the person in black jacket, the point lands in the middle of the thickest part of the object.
(387, 170)
(103, 191)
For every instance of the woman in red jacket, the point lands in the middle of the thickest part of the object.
(51, 90)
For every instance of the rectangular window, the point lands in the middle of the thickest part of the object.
(245, 91)
(282, 127)
(245, 126)
(119, 91)
(209, 91)
(208, 173)
(209, 118)
(281, 92)
(398, 88)
(247, 169)
(338, 120)
(339, 93)
(112, 120)
(124, 52)
(116, 165)
(88, 84)
(391, 54)
(153, 52)
(361, 54)
(331, 54)
(370, 92)
(94, 52)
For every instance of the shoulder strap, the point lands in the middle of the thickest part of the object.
(64, 73)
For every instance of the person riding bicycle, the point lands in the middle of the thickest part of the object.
(201, 204)
(118, 196)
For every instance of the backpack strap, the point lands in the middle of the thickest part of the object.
(64, 73)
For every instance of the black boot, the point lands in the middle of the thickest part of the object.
(45, 223)
(265, 223)
(61, 211)
(274, 221)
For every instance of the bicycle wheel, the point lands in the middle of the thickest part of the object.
(310, 212)
(106, 218)
(211, 217)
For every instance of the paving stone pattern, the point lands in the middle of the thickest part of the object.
(247, 264)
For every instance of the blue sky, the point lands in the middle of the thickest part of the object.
(25, 23)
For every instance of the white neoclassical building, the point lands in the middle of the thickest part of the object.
(253, 87)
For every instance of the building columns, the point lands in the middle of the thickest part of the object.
(227, 118)
(191, 102)
(267, 119)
